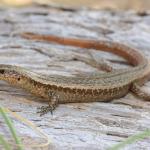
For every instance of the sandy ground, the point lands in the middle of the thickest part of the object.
(139, 5)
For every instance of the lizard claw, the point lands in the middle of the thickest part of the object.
(45, 109)
(40, 108)
(52, 105)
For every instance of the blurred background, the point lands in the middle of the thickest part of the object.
(138, 5)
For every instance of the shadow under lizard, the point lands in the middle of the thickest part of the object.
(102, 87)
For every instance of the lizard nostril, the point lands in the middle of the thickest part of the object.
(2, 71)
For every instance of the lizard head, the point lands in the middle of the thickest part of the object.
(14, 76)
(9, 75)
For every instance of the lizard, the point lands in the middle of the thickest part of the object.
(57, 89)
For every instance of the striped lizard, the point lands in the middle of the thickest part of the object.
(90, 88)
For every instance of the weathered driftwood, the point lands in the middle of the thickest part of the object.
(76, 126)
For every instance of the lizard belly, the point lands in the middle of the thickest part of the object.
(93, 96)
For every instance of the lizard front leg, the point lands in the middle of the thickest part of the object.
(52, 104)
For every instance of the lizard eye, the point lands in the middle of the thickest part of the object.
(18, 79)
(2, 71)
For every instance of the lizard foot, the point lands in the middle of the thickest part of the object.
(45, 109)
(51, 106)
(136, 89)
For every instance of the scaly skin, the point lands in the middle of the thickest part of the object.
(61, 89)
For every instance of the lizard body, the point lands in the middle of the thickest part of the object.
(61, 89)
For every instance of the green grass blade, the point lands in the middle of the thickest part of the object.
(4, 143)
(11, 128)
(131, 140)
